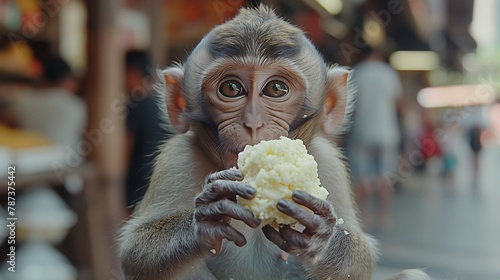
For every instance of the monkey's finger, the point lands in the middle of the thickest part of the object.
(274, 236)
(294, 239)
(231, 234)
(208, 240)
(217, 211)
(220, 189)
(213, 232)
(310, 221)
(228, 174)
(319, 206)
(226, 219)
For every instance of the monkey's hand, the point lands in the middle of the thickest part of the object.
(319, 226)
(216, 205)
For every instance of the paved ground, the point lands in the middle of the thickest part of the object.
(450, 230)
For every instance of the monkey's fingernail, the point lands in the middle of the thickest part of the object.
(237, 173)
(299, 194)
(283, 203)
(213, 251)
(250, 190)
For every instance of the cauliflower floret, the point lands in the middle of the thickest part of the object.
(276, 168)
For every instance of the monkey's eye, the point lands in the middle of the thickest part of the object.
(231, 89)
(275, 89)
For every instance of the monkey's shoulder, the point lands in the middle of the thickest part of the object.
(321, 147)
(179, 171)
(182, 151)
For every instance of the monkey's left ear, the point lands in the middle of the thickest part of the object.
(336, 105)
(174, 97)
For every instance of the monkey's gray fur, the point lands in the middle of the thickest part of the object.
(159, 240)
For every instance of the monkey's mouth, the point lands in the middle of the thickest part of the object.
(230, 159)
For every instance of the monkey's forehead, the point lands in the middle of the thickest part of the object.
(265, 40)
(256, 32)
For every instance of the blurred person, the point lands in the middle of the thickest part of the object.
(54, 110)
(449, 146)
(474, 140)
(375, 136)
(413, 124)
(429, 145)
(474, 125)
(146, 129)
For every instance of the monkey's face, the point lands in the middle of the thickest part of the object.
(253, 78)
(251, 103)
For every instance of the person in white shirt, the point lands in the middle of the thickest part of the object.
(375, 136)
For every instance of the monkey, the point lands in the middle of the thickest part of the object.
(255, 77)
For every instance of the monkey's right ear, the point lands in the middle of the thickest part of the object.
(174, 97)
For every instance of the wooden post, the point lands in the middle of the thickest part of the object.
(106, 131)
(157, 19)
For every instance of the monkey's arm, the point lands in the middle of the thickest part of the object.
(167, 247)
(180, 219)
(159, 241)
(328, 248)
(333, 243)
(153, 250)
(349, 251)
(350, 255)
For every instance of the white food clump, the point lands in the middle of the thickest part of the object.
(276, 168)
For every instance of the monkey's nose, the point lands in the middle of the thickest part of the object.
(253, 118)
(252, 123)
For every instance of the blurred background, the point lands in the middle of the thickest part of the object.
(76, 77)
